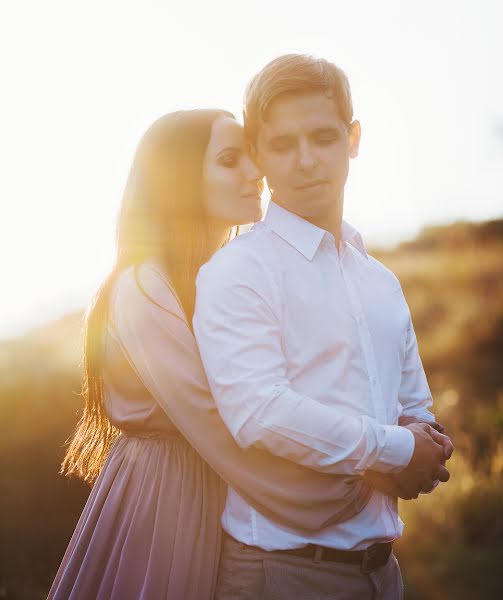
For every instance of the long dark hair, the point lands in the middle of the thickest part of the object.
(162, 217)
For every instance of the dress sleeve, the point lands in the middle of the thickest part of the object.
(154, 335)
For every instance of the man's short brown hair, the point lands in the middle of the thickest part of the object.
(291, 74)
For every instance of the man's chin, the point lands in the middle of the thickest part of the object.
(309, 207)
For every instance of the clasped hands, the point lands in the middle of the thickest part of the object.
(426, 467)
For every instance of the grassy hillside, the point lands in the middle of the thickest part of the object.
(453, 281)
(453, 543)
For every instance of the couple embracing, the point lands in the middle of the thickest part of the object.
(255, 403)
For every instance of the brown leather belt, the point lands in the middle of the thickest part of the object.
(373, 557)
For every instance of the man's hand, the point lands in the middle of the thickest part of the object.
(431, 450)
(427, 465)
(407, 420)
(445, 440)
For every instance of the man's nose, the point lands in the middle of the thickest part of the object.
(307, 160)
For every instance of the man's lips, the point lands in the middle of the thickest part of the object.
(311, 184)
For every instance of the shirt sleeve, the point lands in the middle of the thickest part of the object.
(155, 337)
(237, 326)
(414, 395)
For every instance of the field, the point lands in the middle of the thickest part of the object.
(452, 547)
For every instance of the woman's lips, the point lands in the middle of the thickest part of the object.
(251, 196)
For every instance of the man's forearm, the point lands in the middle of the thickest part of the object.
(320, 437)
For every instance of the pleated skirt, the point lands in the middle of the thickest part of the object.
(150, 528)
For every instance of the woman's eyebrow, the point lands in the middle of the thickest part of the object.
(228, 149)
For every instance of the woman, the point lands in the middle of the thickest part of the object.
(151, 526)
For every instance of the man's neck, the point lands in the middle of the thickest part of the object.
(331, 221)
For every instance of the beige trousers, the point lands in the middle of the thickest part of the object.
(250, 574)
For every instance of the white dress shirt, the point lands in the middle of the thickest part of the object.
(311, 355)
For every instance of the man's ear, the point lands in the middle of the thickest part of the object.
(355, 132)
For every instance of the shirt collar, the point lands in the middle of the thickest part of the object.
(352, 236)
(303, 235)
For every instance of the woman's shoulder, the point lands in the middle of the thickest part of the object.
(141, 289)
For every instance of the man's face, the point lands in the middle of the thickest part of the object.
(303, 149)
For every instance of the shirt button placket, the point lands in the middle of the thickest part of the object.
(368, 351)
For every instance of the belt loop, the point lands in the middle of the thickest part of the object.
(318, 553)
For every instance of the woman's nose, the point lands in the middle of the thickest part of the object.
(251, 171)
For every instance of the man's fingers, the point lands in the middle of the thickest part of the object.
(442, 474)
(414, 493)
(437, 426)
(428, 486)
(444, 441)
(404, 421)
(407, 420)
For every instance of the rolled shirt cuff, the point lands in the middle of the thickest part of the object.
(397, 450)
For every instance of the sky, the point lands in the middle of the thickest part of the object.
(81, 81)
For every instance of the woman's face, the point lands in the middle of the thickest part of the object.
(232, 184)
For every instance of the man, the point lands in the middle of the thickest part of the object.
(311, 354)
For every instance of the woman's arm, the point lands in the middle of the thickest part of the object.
(155, 337)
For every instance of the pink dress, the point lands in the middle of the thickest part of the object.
(151, 526)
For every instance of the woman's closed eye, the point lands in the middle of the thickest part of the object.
(230, 160)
